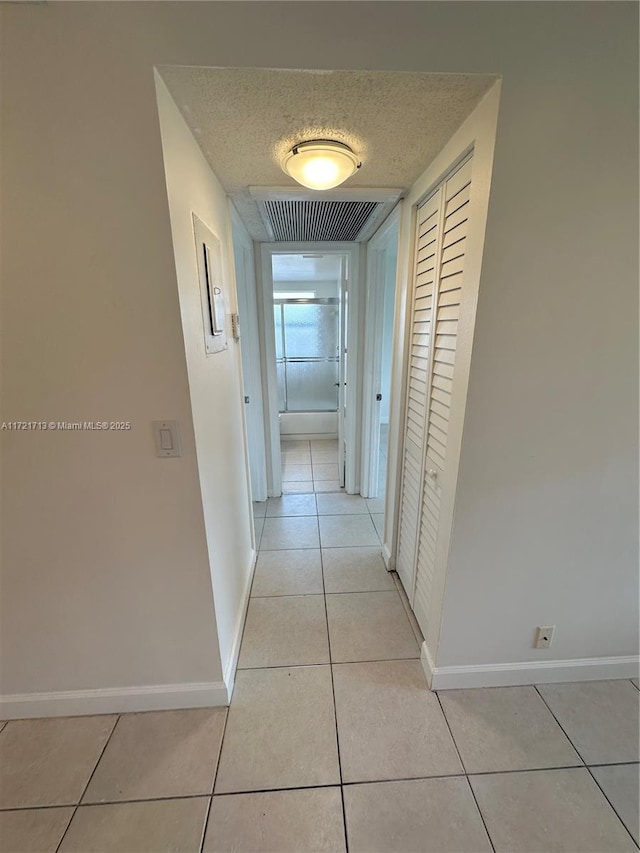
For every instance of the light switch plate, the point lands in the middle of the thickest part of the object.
(167, 435)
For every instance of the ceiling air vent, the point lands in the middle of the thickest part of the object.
(318, 220)
(340, 216)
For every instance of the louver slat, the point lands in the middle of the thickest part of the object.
(427, 246)
(318, 221)
(434, 301)
(457, 192)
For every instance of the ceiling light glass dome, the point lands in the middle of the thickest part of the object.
(320, 164)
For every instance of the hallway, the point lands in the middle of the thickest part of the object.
(331, 726)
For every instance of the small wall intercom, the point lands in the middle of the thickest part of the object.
(211, 287)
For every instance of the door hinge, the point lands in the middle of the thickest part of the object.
(246, 399)
(379, 398)
(235, 326)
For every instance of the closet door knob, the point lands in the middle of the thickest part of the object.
(431, 472)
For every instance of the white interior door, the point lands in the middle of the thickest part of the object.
(436, 298)
(447, 300)
(382, 257)
(246, 291)
(343, 391)
(428, 229)
(378, 294)
(373, 386)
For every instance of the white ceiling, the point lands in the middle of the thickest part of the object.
(245, 118)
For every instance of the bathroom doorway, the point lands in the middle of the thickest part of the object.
(306, 308)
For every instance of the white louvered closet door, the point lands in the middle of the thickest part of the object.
(427, 248)
(446, 284)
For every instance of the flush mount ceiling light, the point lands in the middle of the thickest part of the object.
(320, 164)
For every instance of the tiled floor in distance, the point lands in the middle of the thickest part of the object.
(333, 741)
(309, 466)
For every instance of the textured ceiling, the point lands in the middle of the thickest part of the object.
(245, 119)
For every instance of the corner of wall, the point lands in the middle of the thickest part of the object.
(215, 380)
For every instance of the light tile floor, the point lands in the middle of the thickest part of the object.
(309, 466)
(333, 741)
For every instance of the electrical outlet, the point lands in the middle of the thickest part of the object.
(544, 636)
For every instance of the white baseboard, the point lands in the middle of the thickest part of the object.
(527, 672)
(386, 556)
(123, 700)
(113, 700)
(232, 664)
(427, 664)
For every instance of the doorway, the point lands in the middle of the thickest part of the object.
(382, 261)
(244, 263)
(309, 343)
(308, 293)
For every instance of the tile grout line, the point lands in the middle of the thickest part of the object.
(466, 775)
(66, 829)
(244, 628)
(215, 775)
(371, 514)
(304, 594)
(245, 791)
(385, 781)
(91, 775)
(201, 795)
(577, 751)
(615, 811)
(404, 600)
(584, 763)
(326, 663)
(333, 697)
(462, 774)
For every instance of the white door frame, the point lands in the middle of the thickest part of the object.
(247, 298)
(385, 238)
(268, 357)
(342, 372)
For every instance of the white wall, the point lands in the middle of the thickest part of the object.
(105, 574)
(546, 516)
(215, 381)
(106, 578)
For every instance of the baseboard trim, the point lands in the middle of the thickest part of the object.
(427, 664)
(527, 672)
(123, 700)
(386, 556)
(113, 700)
(232, 664)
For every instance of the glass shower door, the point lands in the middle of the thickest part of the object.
(307, 354)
